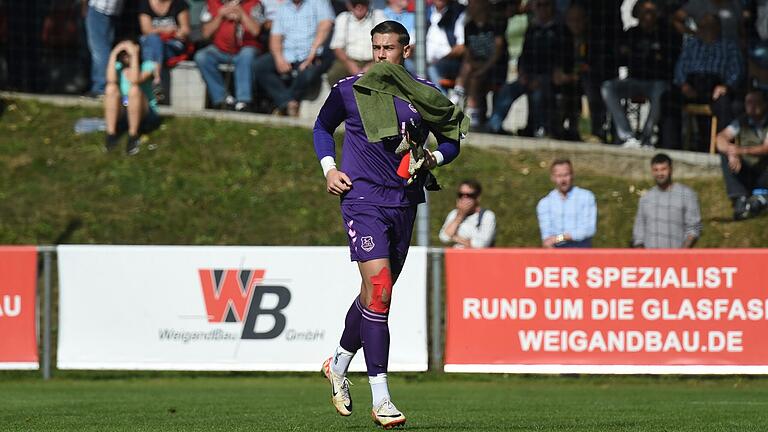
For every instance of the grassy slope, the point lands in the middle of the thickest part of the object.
(210, 182)
(300, 403)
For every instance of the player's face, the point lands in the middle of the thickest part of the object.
(562, 176)
(662, 173)
(386, 48)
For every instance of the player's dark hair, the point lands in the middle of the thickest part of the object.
(660, 159)
(360, 2)
(395, 27)
(474, 184)
(560, 161)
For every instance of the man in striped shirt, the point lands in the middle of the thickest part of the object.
(568, 214)
(668, 215)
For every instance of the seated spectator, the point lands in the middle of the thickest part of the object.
(351, 41)
(743, 147)
(233, 27)
(568, 214)
(648, 48)
(484, 45)
(537, 68)
(397, 10)
(128, 96)
(574, 82)
(164, 28)
(604, 32)
(445, 41)
(295, 60)
(668, 215)
(709, 70)
(469, 225)
(730, 13)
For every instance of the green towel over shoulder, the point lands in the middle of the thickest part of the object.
(374, 92)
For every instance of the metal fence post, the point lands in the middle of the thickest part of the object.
(436, 359)
(46, 360)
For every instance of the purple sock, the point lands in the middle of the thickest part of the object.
(350, 338)
(374, 331)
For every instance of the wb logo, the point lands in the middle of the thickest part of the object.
(236, 296)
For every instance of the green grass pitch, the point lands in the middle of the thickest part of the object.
(300, 402)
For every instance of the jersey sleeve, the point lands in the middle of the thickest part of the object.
(449, 148)
(330, 117)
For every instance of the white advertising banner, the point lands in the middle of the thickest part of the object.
(223, 308)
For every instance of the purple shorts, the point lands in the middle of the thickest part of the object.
(379, 232)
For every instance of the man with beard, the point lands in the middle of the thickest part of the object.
(668, 215)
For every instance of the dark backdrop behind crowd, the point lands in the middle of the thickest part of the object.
(44, 46)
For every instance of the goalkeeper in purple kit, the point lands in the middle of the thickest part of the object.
(387, 115)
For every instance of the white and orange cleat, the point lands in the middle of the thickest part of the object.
(340, 397)
(387, 415)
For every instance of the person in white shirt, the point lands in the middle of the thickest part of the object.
(445, 41)
(469, 225)
(351, 42)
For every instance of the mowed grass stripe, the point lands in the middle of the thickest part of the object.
(449, 403)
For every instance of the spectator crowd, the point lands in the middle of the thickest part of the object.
(267, 55)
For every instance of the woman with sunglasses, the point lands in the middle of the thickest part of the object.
(469, 225)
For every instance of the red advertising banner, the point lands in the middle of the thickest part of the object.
(18, 287)
(607, 311)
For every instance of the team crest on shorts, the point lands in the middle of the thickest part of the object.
(367, 243)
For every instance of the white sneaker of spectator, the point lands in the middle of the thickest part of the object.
(632, 143)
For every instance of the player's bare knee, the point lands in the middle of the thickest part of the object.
(381, 294)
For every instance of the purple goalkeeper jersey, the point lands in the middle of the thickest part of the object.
(372, 167)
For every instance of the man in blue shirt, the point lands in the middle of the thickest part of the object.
(568, 214)
(378, 206)
(296, 57)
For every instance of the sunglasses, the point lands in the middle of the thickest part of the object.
(472, 195)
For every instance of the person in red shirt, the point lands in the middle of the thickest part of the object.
(233, 26)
